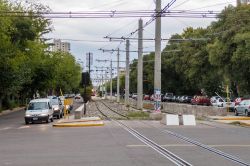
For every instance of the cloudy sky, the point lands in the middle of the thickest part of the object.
(96, 29)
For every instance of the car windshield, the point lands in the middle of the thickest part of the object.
(247, 102)
(54, 102)
(38, 106)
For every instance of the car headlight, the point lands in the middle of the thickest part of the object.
(43, 114)
(56, 109)
(27, 115)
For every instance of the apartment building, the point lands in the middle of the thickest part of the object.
(58, 45)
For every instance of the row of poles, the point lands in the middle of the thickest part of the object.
(157, 66)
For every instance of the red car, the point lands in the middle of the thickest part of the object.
(146, 97)
(200, 100)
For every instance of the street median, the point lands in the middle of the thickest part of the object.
(83, 122)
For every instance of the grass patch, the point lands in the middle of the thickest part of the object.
(235, 123)
(138, 115)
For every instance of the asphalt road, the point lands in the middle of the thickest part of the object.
(41, 144)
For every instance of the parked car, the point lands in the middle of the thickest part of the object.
(167, 97)
(134, 96)
(57, 107)
(152, 97)
(78, 98)
(39, 110)
(182, 99)
(200, 100)
(213, 100)
(174, 99)
(222, 102)
(187, 99)
(146, 97)
(240, 99)
(243, 108)
(178, 99)
(218, 102)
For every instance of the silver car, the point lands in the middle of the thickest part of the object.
(243, 108)
(39, 110)
(57, 107)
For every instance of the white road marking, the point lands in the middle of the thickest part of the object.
(5, 128)
(23, 127)
(189, 145)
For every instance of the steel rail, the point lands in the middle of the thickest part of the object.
(211, 149)
(164, 152)
(115, 111)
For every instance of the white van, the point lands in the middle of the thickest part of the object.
(39, 110)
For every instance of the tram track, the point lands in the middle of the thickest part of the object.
(158, 148)
(206, 147)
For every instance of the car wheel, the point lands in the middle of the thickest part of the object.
(236, 112)
(51, 120)
(247, 113)
(47, 120)
(26, 122)
(61, 115)
(58, 116)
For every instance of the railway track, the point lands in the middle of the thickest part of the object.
(161, 150)
(203, 146)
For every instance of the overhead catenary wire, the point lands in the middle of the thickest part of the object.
(110, 14)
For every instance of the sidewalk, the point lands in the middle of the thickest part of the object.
(5, 112)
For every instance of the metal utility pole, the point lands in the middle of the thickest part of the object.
(118, 76)
(106, 77)
(127, 75)
(157, 67)
(85, 80)
(111, 91)
(102, 84)
(140, 67)
(89, 63)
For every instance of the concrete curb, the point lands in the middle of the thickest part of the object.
(6, 112)
(78, 124)
(78, 120)
(84, 122)
(233, 118)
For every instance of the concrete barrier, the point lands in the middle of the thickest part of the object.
(170, 120)
(79, 112)
(196, 110)
(188, 120)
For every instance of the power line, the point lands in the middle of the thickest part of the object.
(153, 18)
(114, 14)
(152, 39)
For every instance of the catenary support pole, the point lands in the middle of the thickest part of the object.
(157, 67)
(127, 75)
(102, 84)
(118, 76)
(111, 75)
(106, 77)
(140, 67)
